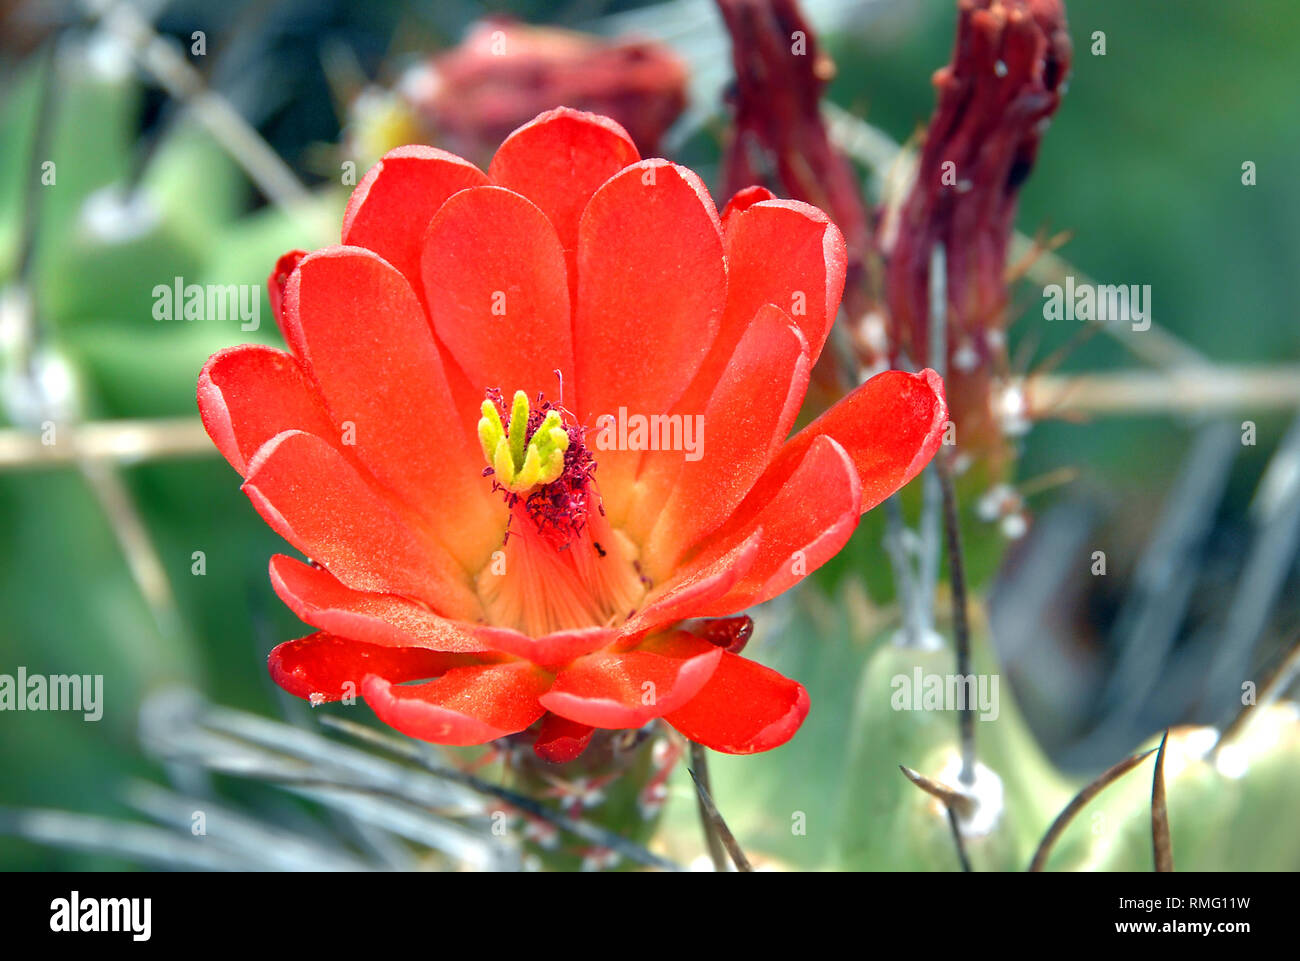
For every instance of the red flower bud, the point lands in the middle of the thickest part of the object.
(1008, 71)
(780, 140)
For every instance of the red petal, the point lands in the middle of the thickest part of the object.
(694, 588)
(497, 289)
(321, 667)
(369, 346)
(741, 201)
(803, 526)
(751, 412)
(891, 426)
(651, 286)
(250, 393)
(785, 253)
(782, 253)
(467, 705)
(608, 690)
(323, 601)
(392, 206)
(549, 650)
(561, 740)
(313, 498)
(559, 160)
(779, 252)
(275, 285)
(745, 708)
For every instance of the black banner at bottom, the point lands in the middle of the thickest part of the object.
(299, 911)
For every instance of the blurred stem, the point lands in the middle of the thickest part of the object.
(916, 588)
(146, 567)
(183, 82)
(40, 152)
(951, 798)
(105, 836)
(716, 823)
(931, 495)
(1079, 801)
(1161, 847)
(1275, 536)
(960, 614)
(121, 440)
(962, 857)
(1268, 692)
(1128, 392)
(956, 805)
(700, 768)
(896, 537)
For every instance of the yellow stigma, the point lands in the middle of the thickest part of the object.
(520, 462)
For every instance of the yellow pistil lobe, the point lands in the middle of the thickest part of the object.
(521, 462)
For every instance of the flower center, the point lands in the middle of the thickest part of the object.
(562, 565)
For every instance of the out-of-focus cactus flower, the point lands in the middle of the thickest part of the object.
(780, 140)
(504, 73)
(1008, 72)
(25, 26)
(380, 119)
(520, 545)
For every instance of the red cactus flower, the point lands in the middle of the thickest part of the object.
(475, 522)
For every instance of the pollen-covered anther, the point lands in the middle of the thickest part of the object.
(519, 461)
